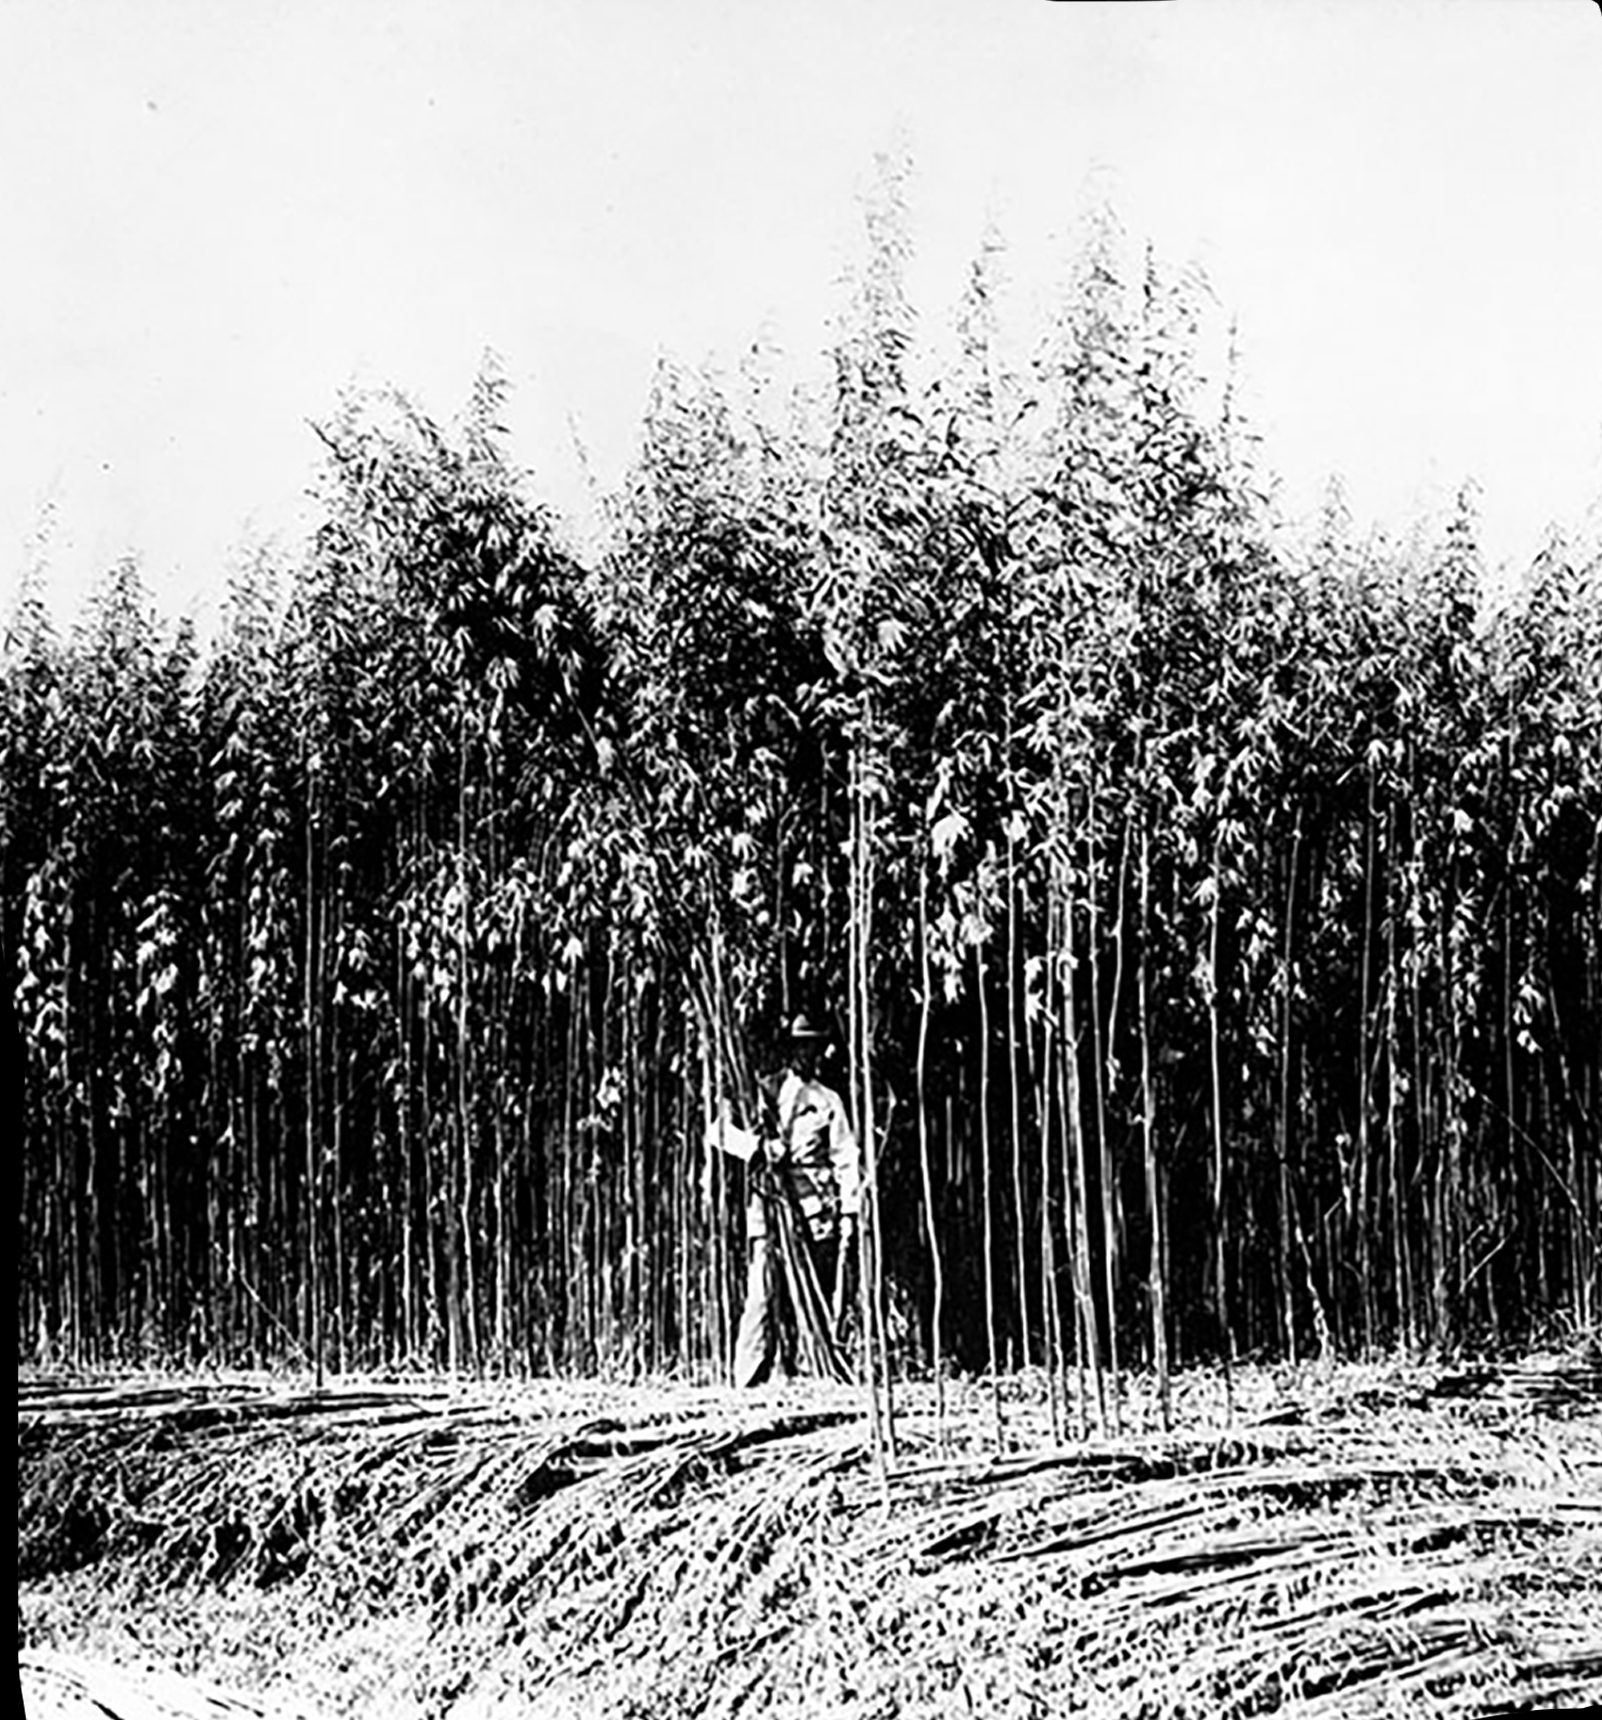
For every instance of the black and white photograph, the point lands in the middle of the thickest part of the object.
(801, 857)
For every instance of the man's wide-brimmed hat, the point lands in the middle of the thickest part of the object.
(804, 1032)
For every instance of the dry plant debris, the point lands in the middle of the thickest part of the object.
(1385, 1540)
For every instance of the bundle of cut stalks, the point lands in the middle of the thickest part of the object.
(819, 1351)
(1548, 1384)
(582, 1550)
(65, 1687)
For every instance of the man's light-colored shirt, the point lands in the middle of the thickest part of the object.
(819, 1150)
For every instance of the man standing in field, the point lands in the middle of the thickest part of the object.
(806, 1193)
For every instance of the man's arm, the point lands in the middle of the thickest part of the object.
(723, 1134)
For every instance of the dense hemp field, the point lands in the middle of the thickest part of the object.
(1208, 915)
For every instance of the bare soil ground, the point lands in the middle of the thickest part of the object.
(1395, 1540)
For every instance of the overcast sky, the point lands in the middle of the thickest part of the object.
(214, 216)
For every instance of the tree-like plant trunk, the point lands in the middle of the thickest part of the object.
(925, 1168)
(1157, 1264)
